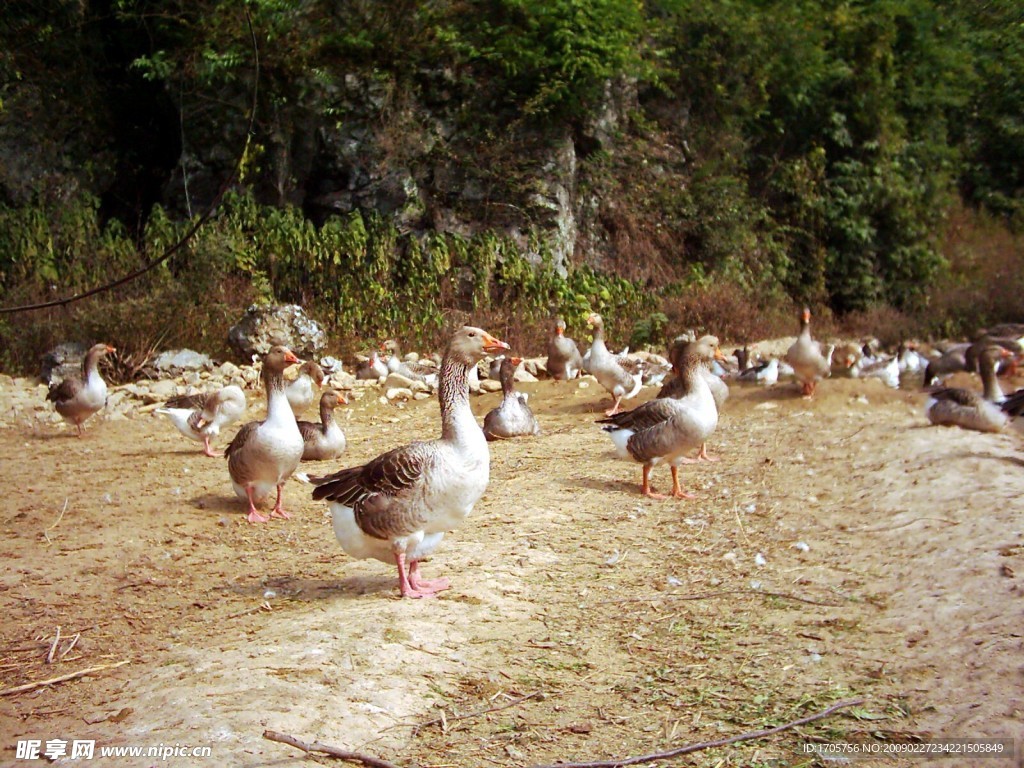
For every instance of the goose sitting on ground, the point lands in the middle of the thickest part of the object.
(805, 356)
(398, 507)
(952, 358)
(372, 369)
(264, 454)
(955, 407)
(564, 360)
(513, 418)
(301, 392)
(764, 374)
(909, 359)
(324, 440)
(664, 430)
(202, 417)
(609, 371)
(77, 398)
(886, 369)
(415, 371)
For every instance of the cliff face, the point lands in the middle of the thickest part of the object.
(86, 121)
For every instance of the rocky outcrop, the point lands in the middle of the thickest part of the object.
(265, 325)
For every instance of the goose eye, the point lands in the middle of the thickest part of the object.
(471, 334)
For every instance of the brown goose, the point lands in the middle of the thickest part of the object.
(513, 418)
(664, 430)
(805, 357)
(300, 392)
(324, 440)
(564, 359)
(398, 507)
(955, 407)
(79, 397)
(677, 386)
(201, 417)
(264, 454)
(609, 370)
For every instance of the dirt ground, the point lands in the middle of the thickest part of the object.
(840, 549)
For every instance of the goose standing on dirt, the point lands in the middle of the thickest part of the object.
(324, 440)
(77, 398)
(609, 370)
(513, 417)
(664, 430)
(764, 374)
(809, 364)
(955, 407)
(264, 454)
(301, 392)
(201, 417)
(564, 360)
(398, 507)
(676, 388)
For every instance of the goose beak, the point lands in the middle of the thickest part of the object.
(342, 398)
(111, 350)
(515, 360)
(289, 357)
(493, 346)
(718, 354)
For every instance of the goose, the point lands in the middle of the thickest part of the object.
(805, 356)
(416, 371)
(910, 360)
(765, 374)
(513, 418)
(494, 368)
(564, 360)
(952, 406)
(609, 371)
(847, 359)
(664, 430)
(719, 389)
(264, 454)
(77, 398)
(742, 358)
(300, 392)
(397, 507)
(201, 417)
(952, 359)
(372, 369)
(887, 369)
(324, 440)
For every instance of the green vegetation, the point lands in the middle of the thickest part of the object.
(861, 156)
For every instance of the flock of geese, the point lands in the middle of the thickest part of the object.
(397, 507)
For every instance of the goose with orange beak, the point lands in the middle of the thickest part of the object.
(398, 507)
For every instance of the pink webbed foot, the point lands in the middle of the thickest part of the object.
(408, 583)
(703, 455)
(207, 450)
(278, 510)
(425, 586)
(254, 516)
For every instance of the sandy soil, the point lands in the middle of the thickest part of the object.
(840, 549)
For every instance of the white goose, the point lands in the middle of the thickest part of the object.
(264, 454)
(201, 417)
(324, 440)
(77, 398)
(609, 370)
(300, 392)
(666, 429)
(564, 361)
(513, 417)
(765, 374)
(397, 507)
(805, 356)
(372, 369)
(416, 371)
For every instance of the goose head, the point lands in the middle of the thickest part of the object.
(560, 327)
(278, 358)
(470, 345)
(314, 371)
(595, 321)
(332, 398)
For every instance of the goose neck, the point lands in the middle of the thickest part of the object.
(457, 418)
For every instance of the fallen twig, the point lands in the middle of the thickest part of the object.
(708, 744)
(444, 720)
(71, 645)
(947, 521)
(61, 679)
(53, 647)
(55, 522)
(316, 746)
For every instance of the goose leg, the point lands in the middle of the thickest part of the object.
(646, 489)
(207, 449)
(278, 511)
(677, 491)
(615, 407)
(405, 584)
(425, 585)
(254, 516)
(703, 455)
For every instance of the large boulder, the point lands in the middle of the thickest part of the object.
(177, 361)
(64, 359)
(265, 325)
